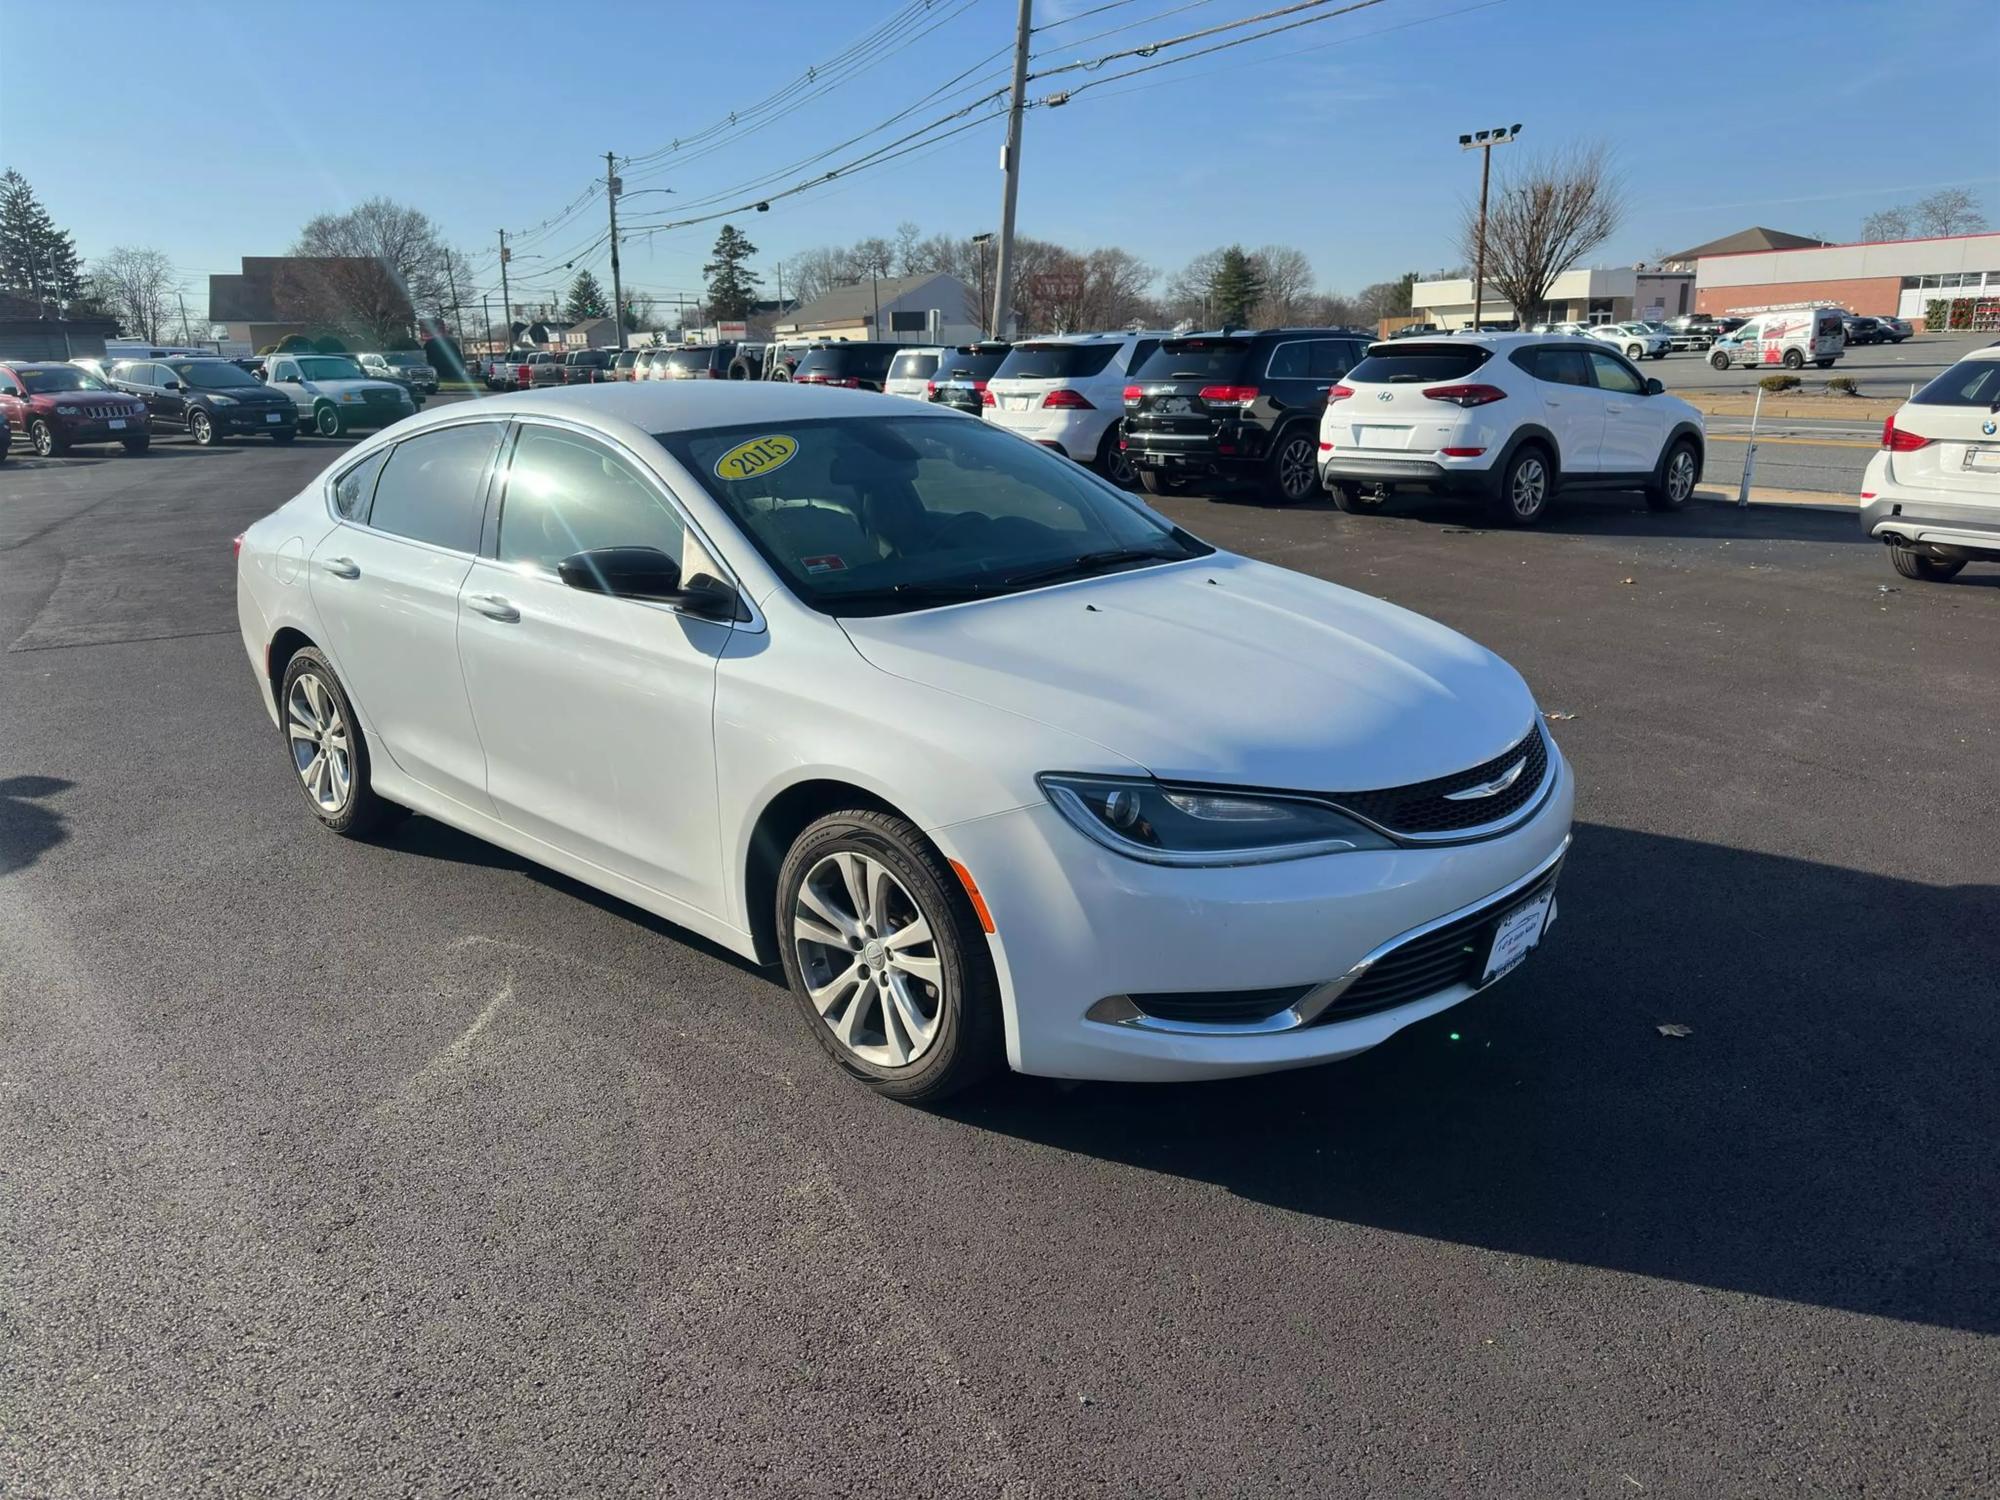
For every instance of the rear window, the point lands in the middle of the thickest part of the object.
(1055, 361)
(1970, 382)
(1194, 359)
(685, 359)
(1410, 363)
(971, 364)
(848, 361)
(913, 367)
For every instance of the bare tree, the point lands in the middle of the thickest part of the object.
(407, 245)
(1188, 288)
(1385, 299)
(1288, 278)
(136, 284)
(1948, 211)
(1543, 221)
(1886, 224)
(908, 238)
(873, 256)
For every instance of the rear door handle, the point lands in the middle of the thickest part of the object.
(343, 567)
(493, 607)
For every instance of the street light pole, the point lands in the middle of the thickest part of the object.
(1483, 142)
(1003, 310)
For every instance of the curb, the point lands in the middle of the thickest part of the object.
(1792, 499)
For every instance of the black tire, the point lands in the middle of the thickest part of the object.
(137, 444)
(1113, 462)
(1159, 482)
(740, 368)
(1718, 360)
(1926, 569)
(1635, 352)
(201, 427)
(361, 812)
(45, 440)
(967, 1044)
(284, 435)
(1794, 359)
(1352, 499)
(1824, 364)
(326, 420)
(1674, 480)
(1523, 498)
(1292, 471)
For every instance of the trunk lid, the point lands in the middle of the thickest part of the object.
(1386, 410)
(1187, 389)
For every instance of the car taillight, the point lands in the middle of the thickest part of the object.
(986, 397)
(1898, 441)
(1466, 395)
(1229, 395)
(1066, 400)
(1339, 393)
(1461, 452)
(1133, 393)
(236, 547)
(930, 389)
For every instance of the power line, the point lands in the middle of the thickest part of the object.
(1148, 50)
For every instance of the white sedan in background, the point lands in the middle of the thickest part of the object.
(1637, 340)
(999, 764)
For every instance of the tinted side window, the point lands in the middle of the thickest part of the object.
(1333, 358)
(565, 494)
(1615, 375)
(1556, 366)
(433, 487)
(1141, 352)
(1291, 361)
(354, 489)
(283, 369)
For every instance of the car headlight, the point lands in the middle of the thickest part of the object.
(1168, 825)
(66, 411)
(350, 395)
(223, 400)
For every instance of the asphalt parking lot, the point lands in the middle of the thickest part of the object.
(401, 1168)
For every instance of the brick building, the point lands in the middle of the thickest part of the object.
(1898, 278)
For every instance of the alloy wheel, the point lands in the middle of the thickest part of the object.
(202, 429)
(322, 749)
(1118, 461)
(869, 959)
(1680, 476)
(45, 439)
(1295, 468)
(1530, 489)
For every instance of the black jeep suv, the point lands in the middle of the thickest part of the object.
(962, 374)
(1236, 405)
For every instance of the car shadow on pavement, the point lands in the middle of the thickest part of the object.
(1823, 1134)
(28, 828)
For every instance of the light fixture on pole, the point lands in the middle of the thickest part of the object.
(1483, 141)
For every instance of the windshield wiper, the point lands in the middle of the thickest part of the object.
(1089, 562)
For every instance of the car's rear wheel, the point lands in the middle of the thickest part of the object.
(1355, 501)
(200, 428)
(328, 750)
(1113, 462)
(1526, 487)
(1673, 484)
(1929, 569)
(1293, 465)
(1824, 364)
(886, 956)
(326, 420)
(1159, 482)
(46, 441)
(1718, 360)
(1794, 360)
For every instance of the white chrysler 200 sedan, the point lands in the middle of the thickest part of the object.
(996, 761)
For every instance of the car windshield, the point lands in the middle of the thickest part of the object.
(329, 367)
(39, 381)
(1410, 364)
(877, 515)
(211, 374)
(408, 359)
(1194, 359)
(1055, 361)
(1970, 382)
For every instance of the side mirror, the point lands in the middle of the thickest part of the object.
(171, 385)
(647, 573)
(1654, 386)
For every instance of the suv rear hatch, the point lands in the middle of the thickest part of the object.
(1188, 395)
(964, 374)
(910, 373)
(1947, 436)
(1037, 382)
(1408, 397)
(697, 363)
(863, 366)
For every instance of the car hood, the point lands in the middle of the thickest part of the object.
(1222, 670)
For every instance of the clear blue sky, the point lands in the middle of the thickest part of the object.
(1338, 137)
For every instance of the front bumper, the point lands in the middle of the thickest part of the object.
(1078, 924)
(367, 415)
(98, 429)
(247, 420)
(1353, 466)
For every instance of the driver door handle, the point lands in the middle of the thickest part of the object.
(494, 607)
(343, 567)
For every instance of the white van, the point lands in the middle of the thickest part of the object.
(1789, 338)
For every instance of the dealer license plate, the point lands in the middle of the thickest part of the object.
(115, 423)
(1515, 938)
(1982, 456)
(1172, 406)
(1383, 437)
(274, 416)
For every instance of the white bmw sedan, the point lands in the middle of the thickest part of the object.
(998, 763)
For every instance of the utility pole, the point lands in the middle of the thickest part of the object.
(1003, 303)
(612, 188)
(486, 321)
(451, 281)
(506, 307)
(982, 241)
(186, 337)
(1483, 142)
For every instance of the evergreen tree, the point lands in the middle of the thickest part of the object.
(732, 285)
(1237, 288)
(36, 258)
(586, 299)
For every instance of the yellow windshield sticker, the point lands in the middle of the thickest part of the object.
(758, 456)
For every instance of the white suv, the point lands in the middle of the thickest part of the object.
(911, 370)
(1508, 418)
(1933, 492)
(1068, 394)
(1637, 339)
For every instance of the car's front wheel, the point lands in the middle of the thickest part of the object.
(1526, 487)
(1673, 484)
(329, 752)
(886, 956)
(200, 428)
(48, 443)
(326, 420)
(1718, 360)
(1929, 569)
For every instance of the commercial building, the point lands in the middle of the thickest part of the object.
(1900, 278)
(933, 309)
(1594, 294)
(354, 296)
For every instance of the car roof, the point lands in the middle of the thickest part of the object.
(678, 406)
(1492, 340)
(1985, 351)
